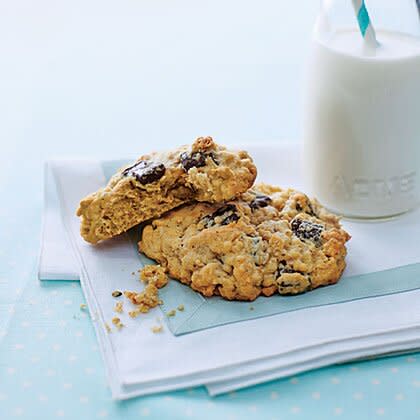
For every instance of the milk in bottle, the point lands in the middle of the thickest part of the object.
(362, 124)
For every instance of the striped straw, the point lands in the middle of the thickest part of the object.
(365, 25)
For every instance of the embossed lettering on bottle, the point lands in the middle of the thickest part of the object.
(361, 188)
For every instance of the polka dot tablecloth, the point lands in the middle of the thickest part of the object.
(51, 367)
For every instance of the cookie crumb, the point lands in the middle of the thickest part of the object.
(133, 273)
(117, 322)
(157, 329)
(251, 308)
(180, 307)
(135, 313)
(154, 274)
(119, 307)
(171, 313)
(147, 299)
(83, 306)
(108, 328)
(116, 293)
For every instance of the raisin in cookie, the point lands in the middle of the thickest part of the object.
(269, 240)
(159, 182)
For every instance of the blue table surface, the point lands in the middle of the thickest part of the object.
(109, 79)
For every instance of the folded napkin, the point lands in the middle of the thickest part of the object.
(364, 315)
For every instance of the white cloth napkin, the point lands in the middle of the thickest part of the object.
(139, 362)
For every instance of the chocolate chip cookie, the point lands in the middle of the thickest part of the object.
(159, 182)
(269, 240)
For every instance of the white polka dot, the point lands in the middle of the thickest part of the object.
(410, 359)
(54, 292)
(68, 302)
(188, 412)
(32, 302)
(375, 381)
(380, 411)
(26, 384)
(394, 369)
(274, 395)
(83, 399)
(41, 335)
(19, 346)
(399, 397)
(51, 372)
(67, 386)
(18, 411)
(89, 370)
(43, 398)
(145, 412)
(354, 368)
(74, 284)
(316, 395)
(338, 411)
(3, 396)
(78, 333)
(252, 408)
(295, 410)
(61, 323)
(358, 396)
(47, 312)
(25, 324)
(35, 359)
(56, 347)
(415, 383)
(72, 358)
(95, 348)
(3, 333)
(12, 310)
(210, 404)
(294, 380)
(168, 398)
(59, 413)
(334, 380)
(18, 291)
(11, 370)
(102, 414)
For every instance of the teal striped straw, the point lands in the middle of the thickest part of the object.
(365, 24)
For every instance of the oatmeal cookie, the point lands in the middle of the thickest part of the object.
(159, 182)
(269, 240)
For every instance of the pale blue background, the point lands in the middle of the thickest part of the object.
(109, 79)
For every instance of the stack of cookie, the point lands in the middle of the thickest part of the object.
(213, 230)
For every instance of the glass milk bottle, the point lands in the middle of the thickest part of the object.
(361, 148)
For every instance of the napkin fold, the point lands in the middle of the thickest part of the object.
(242, 353)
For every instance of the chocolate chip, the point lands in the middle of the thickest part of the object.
(260, 201)
(193, 160)
(227, 213)
(282, 268)
(294, 286)
(230, 219)
(224, 209)
(116, 293)
(146, 172)
(304, 229)
(214, 159)
(311, 211)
